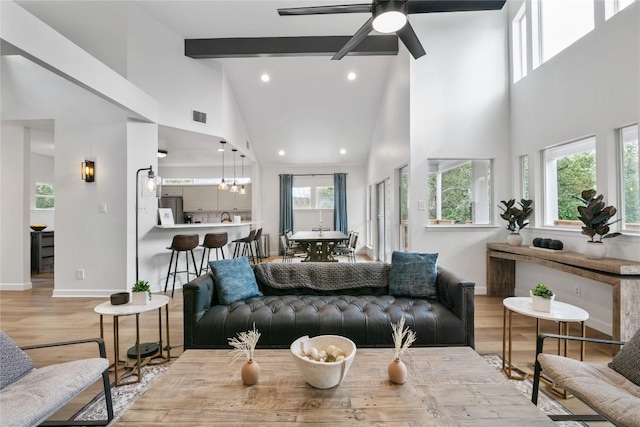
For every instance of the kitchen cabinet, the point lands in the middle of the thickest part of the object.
(200, 198)
(228, 201)
(171, 191)
(42, 248)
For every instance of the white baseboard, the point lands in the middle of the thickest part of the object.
(15, 286)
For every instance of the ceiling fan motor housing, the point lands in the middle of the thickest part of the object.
(380, 8)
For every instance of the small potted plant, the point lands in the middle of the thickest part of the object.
(403, 337)
(595, 216)
(516, 218)
(140, 293)
(244, 345)
(541, 297)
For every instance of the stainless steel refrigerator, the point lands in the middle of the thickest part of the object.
(175, 204)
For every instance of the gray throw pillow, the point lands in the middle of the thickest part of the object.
(234, 280)
(14, 363)
(413, 275)
(627, 361)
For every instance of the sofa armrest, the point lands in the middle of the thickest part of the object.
(456, 294)
(198, 296)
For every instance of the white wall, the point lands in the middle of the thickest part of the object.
(590, 88)
(459, 110)
(270, 191)
(390, 142)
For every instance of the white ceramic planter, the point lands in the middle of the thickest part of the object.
(514, 239)
(541, 304)
(139, 298)
(595, 250)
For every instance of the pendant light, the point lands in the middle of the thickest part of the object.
(223, 185)
(234, 187)
(242, 190)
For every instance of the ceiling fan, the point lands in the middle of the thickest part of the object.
(390, 16)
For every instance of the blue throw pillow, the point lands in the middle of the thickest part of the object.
(413, 275)
(234, 280)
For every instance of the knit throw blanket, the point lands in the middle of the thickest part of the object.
(323, 276)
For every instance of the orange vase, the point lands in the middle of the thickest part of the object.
(250, 372)
(397, 371)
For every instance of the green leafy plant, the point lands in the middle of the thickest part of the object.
(516, 217)
(595, 216)
(142, 286)
(542, 290)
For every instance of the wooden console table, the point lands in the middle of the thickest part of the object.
(623, 275)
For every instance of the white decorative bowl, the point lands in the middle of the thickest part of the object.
(323, 374)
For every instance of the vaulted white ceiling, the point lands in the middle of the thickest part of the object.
(309, 109)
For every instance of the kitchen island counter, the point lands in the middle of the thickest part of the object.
(208, 225)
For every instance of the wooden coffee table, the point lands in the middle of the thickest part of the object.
(450, 386)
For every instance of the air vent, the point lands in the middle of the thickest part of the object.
(199, 116)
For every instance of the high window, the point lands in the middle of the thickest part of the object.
(611, 7)
(459, 191)
(45, 195)
(630, 161)
(568, 169)
(519, 44)
(557, 24)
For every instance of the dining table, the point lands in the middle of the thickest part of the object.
(319, 244)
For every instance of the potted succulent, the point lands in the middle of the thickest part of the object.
(541, 297)
(140, 293)
(516, 218)
(596, 219)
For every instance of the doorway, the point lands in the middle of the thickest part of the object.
(383, 217)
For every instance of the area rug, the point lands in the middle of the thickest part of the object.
(547, 403)
(123, 397)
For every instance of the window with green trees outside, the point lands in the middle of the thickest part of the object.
(45, 196)
(630, 160)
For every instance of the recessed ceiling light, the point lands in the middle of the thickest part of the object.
(281, 153)
(343, 151)
(351, 76)
(162, 153)
(265, 77)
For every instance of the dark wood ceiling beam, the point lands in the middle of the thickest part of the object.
(287, 46)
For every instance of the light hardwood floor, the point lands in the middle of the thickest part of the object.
(33, 316)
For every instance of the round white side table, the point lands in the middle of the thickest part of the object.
(156, 303)
(561, 312)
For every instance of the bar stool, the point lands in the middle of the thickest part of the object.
(246, 243)
(215, 241)
(182, 243)
(256, 244)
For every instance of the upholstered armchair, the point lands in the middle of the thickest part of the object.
(611, 390)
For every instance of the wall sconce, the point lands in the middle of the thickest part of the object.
(88, 171)
(162, 154)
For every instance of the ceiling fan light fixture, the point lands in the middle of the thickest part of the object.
(389, 16)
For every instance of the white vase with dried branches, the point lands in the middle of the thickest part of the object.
(244, 345)
(403, 337)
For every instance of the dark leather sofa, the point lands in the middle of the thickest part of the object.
(356, 305)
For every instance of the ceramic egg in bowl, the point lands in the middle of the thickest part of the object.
(323, 361)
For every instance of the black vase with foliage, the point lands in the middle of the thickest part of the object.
(516, 217)
(595, 216)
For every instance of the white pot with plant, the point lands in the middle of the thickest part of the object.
(541, 297)
(140, 293)
(516, 218)
(244, 345)
(403, 337)
(595, 216)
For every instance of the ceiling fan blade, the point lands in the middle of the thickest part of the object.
(322, 10)
(432, 6)
(359, 36)
(410, 40)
